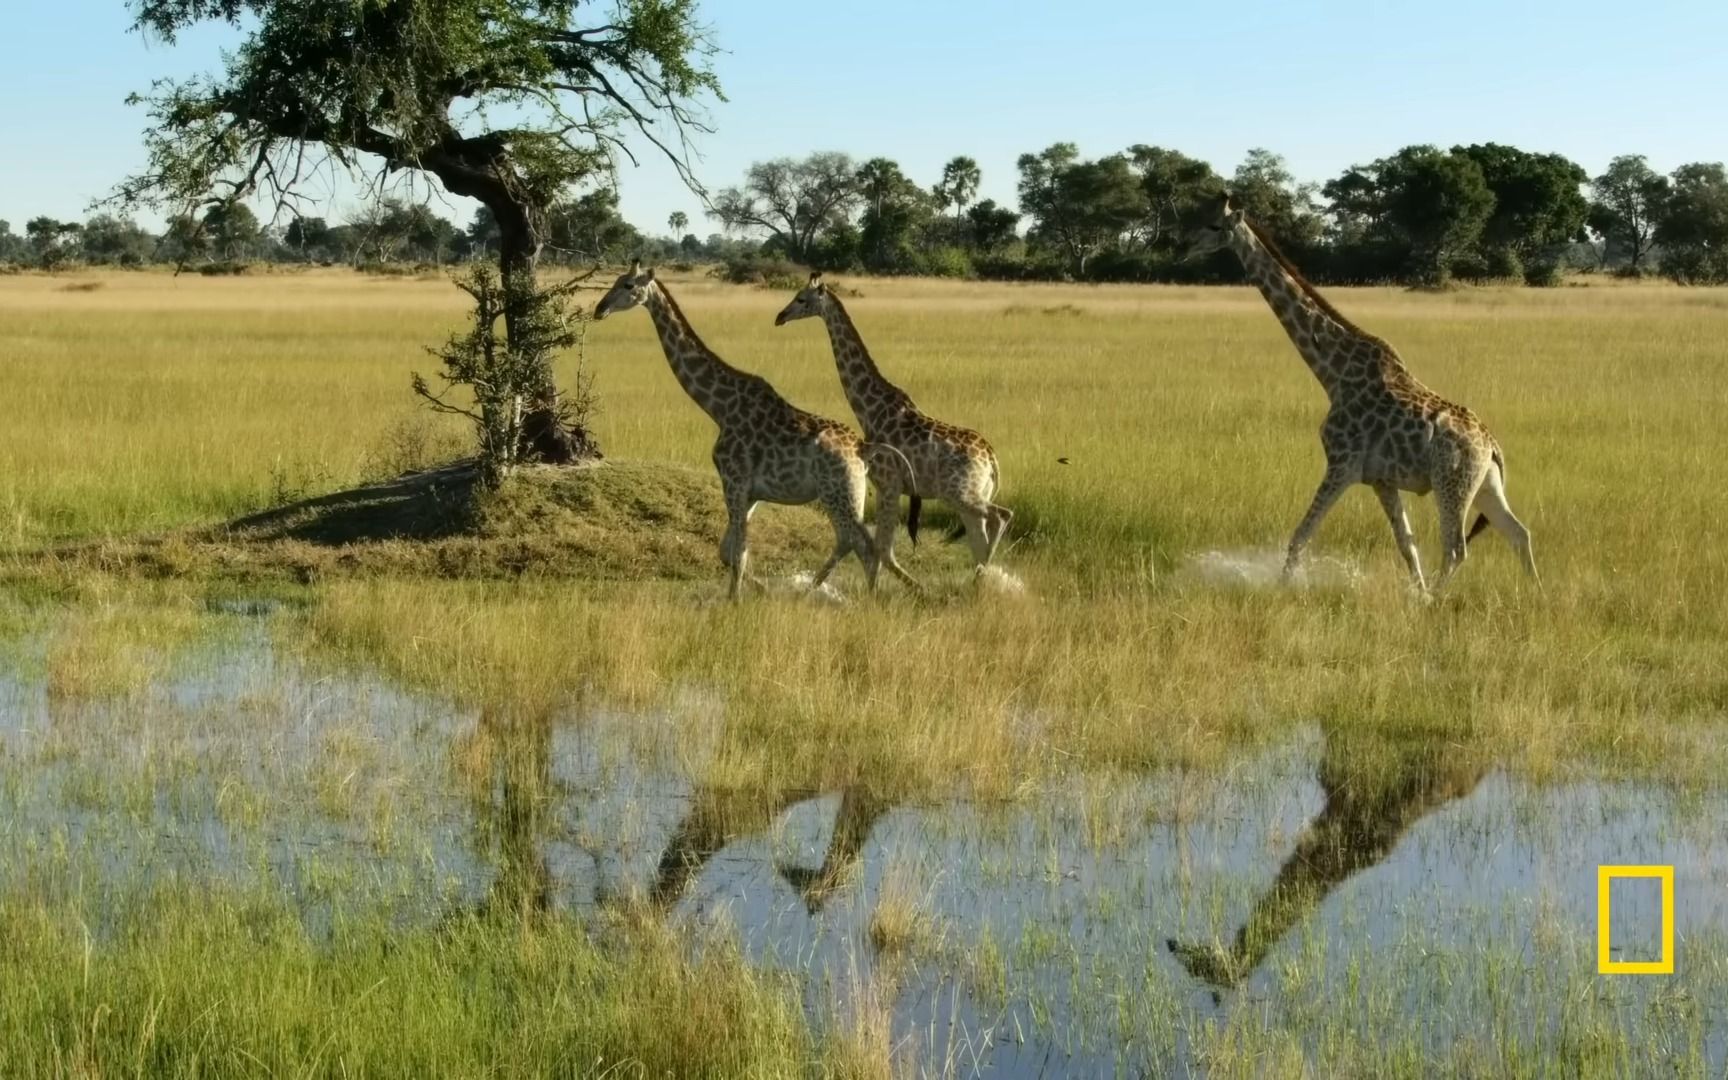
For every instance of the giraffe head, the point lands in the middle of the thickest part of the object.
(628, 291)
(1218, 224)
(810, 301)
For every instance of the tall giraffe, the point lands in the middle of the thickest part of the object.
(768, 450)
(948, 462)
(1384, 428)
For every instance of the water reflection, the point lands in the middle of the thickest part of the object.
(1375, 790)
(1042, 926)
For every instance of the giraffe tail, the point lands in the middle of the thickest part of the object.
(1481, 521)
(886, 458)
(914, 508)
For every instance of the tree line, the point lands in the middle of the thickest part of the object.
(581, 230)
(1420, 216)
(1423, 215)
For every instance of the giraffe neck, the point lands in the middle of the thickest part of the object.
(1330, 344)
(718, 387)
(874, 400)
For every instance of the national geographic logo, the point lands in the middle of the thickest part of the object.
(1605, 963)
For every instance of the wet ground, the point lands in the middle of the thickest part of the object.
(1401, 895)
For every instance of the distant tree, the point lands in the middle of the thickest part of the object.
(958, 187)
(991, 227)
(791, 200)
(308, 237)
(13, 248)
(678, 222)
(1426, 206)
(234, 231)
(1693, 228)
(691, 246)
(1265, 188)
(894, 210)
(1627, 201)
(52, 243)
(509, 102)
(589, 229)
(1538, 202)
(1078, 207)
(117, 241)
(1174, 185)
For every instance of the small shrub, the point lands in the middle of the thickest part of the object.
(948, 262)
(225, 269)
(767, 272)
(1542, 275)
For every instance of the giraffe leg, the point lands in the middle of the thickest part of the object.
(1491, 503)
(1000, 518)
(1453, 496)
(887, 519)
(1393, 503)
(1337, 480)
(735, 545)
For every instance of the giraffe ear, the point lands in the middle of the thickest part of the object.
(815, 278)
(635, 267)
(649, 273)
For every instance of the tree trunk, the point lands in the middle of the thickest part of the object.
(546, 434)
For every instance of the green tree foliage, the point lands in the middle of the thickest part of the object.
(678, 222)
(1693, 228)
(1078, 207)
(1539, 205)
(13, 248)
(589, 229)
(990, 228)
(957, 188)
(1626, 202)
(1416, 213)
(233, 231)
(116, 241)
(895, 212)
(1175, 186)
(792, 200)
(1264, 187)
(52, 243)
(510, 102)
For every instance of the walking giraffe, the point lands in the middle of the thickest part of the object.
(768, 450)
(948, 462)
(1384, 428)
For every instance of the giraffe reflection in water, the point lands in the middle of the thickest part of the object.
(514, 792)
(717, 816)
(1375, 789)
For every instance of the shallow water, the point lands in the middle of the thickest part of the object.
(1130, 923)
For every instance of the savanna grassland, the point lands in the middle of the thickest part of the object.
(1158, 444)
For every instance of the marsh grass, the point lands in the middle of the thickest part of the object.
(163, 996)
(1140, 429)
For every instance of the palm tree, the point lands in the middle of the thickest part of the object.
(960, 180)
(678, 222)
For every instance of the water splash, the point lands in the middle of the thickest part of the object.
(799, 584)
(1264, 568)
(1001, 582)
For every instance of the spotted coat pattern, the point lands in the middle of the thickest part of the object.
(948, 462)
(768, 450)
(1383, 427)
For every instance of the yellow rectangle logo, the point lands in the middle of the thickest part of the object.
(1605, 964)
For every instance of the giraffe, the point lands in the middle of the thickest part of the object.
(768, 450)
(948, 462)
(1384, 428)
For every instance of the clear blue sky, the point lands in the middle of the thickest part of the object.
(1325, 84)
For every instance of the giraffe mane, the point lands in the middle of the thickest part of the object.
(1307, 286)
(678, 313)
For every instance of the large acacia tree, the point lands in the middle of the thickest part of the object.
(509, 102)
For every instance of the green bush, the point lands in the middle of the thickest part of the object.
(1543, 275)
(949, 262)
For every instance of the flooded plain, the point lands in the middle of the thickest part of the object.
(1404, 898)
